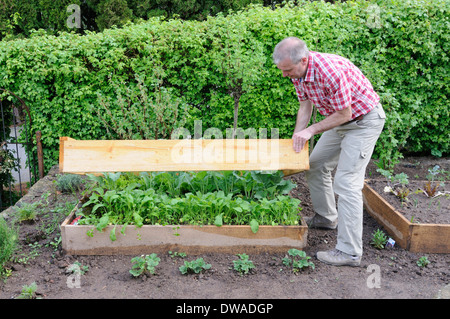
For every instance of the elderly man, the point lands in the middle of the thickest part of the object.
(353, 121)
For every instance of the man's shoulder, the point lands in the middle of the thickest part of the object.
(327, 59)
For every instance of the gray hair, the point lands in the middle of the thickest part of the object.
(292, 48)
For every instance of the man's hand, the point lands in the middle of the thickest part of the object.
(300, 138)
(337, 118)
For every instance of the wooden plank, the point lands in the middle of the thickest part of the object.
(385, 214)
(430, 238)
(97, 156)
(187, 238)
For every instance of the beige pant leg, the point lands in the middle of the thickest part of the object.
(348, 148)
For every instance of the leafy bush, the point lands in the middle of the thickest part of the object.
(69, 183)
(400, 45)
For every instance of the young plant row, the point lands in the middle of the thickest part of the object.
(202, 198)
(397, 184)
(295, 260)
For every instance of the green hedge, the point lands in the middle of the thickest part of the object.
(18, 17)
(402, 46)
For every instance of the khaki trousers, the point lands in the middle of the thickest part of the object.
(348, 149)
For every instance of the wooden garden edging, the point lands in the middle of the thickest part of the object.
(415, 237)
(81, 157)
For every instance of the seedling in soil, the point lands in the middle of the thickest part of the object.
(174, 254)
(396, 184)
(243, 265)
(195, 266)
(27, 212)
(379, 239)
(28, 292)
(423, 262)
(144, 264)
(298, 260)
(77, 268)
(431, 185)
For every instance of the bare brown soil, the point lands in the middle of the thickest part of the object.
(41, 260)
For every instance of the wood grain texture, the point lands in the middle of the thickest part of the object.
(97, 156)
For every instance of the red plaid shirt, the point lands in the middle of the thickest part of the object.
(332, 83)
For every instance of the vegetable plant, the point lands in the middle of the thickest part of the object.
(431, 186)
(423, 262)
(194, 266)
(297, 259)
(28, 292)
(194, 198)
(379, 239)
(243, 265)
(144, 264)
(77, 268)
(396, 184)
(27, 211)
(9, 239)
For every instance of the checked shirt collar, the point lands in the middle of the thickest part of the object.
(309, 77)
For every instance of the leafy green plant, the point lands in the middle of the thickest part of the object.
(69, 183)
(28, 292)
(145, 264)
(432, 185)
(8, 243)
(379, 239)
(195, 198)
(194, 266)
(396, 184)
(243, 265)
(297, 260)
(27, 211)
(77, 268)
(174, 254)
(142, 115)
(423, 262)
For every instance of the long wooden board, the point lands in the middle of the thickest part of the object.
(97, 156)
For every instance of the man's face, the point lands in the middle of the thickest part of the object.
(293, 71)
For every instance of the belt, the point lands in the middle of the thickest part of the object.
(358, 118)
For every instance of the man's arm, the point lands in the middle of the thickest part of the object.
(302, 133)
(303, 115)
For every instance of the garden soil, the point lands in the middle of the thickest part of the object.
(390, 273)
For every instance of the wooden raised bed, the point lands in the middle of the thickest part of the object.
(415, 237)
(81, 157)
(185, 238)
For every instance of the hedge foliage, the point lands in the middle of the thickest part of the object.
(401, 46)
(19, 17)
